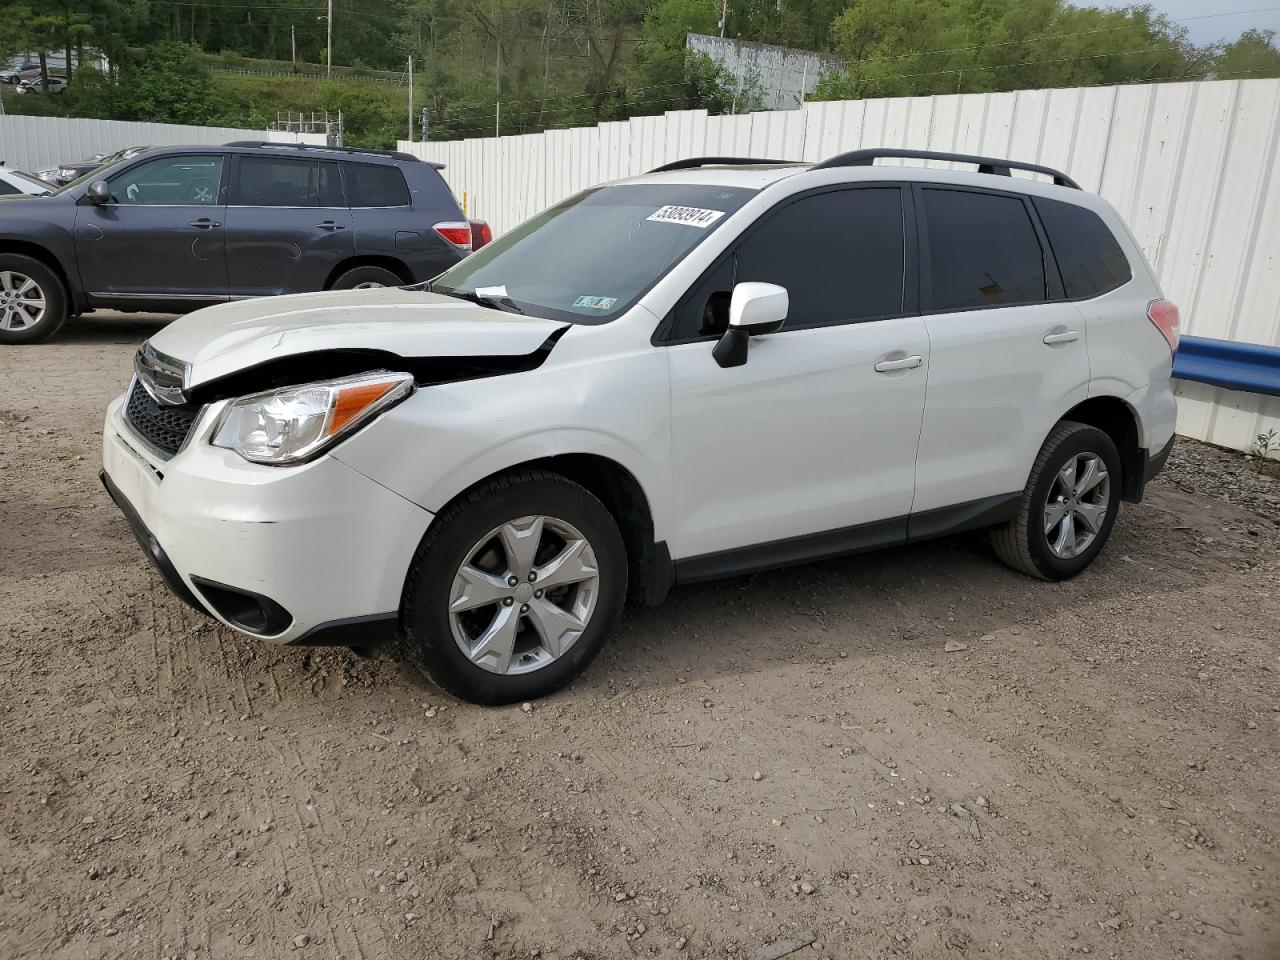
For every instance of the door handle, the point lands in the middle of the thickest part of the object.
(1066, 336)
(906, 363)
(204, 223)
(331, 225)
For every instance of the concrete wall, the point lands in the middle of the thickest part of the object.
(782, 75)
(31, 143)
(1194, 168)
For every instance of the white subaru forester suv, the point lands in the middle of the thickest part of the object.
(719, 367)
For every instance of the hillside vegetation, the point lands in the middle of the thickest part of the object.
(556, 63)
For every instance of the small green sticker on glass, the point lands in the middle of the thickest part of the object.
(596, 303)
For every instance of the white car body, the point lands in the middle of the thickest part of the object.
(806, 450)
(15, 182)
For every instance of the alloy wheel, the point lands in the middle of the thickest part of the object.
(524, 595)
(1077, 505)
(369, 285)
(22, 301)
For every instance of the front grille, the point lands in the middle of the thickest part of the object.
(165, 428)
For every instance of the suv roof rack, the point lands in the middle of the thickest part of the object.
(992, 165)
(691, 163)
(392, 154)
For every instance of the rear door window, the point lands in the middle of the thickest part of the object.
(1089, 258)
(376, 185)
(277, 182)
(983, 251)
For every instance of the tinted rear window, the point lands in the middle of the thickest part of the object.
(375, 185)
(278, 182)
(1090, 260)
(983, 251)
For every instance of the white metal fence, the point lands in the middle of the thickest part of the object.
(31, 143)
(1192, 167)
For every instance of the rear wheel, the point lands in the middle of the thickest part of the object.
(366, 278)
(1068, 507)
(515, 589)
(33, 304)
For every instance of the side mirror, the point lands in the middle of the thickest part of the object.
(756, 310)
(98, 192)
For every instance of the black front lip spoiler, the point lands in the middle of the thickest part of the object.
(151, 546)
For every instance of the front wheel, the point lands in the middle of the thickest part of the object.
(1068, 507)
(33, 304)
(515, 589)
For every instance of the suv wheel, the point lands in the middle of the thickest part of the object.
(515, 589)
(33, 305)
(1068, 508)
(365, 278)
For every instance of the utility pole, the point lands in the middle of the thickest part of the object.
(411, 99)
(328, 68)
(293, 45)
(497, 118)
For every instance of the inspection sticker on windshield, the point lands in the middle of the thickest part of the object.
(596, 303)
(689, 216)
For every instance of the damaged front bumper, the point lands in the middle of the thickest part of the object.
(315, 553)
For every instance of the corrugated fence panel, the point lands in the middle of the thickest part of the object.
(1194, 169)
(33, 143)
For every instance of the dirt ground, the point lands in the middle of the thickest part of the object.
(760, 762)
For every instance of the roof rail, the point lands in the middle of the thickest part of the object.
(992, 165)
(691, 163)
(392, 154)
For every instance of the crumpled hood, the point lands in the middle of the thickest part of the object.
(221, 340)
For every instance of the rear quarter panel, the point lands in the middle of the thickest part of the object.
(1126, 351)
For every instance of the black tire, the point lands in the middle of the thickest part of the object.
(425, 621)
(1023, 542)
(367, 275)
(55, 299)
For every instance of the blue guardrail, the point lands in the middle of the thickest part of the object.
(1227, 363)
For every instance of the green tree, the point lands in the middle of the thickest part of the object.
(918, 47)
(669, 76)
(167, 84)
(1253, 55)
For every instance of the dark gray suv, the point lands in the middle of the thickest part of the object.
(176, 228)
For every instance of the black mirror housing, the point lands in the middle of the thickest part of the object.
(98, 192)
(731, 349)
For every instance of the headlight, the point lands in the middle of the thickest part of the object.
(67, 174)
(295, 424)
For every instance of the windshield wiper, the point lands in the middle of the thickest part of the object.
(505, 304)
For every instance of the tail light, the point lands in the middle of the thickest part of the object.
(1164, 315)
(480, 234)
(457, 233)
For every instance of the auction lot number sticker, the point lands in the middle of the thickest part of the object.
(689, 216)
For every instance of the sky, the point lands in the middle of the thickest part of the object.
(1259, 14)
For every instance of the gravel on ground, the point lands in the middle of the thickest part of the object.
(916, 753)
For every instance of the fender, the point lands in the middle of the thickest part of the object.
(47, 239)
(450, 436)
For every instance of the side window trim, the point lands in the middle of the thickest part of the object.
(910, 295)
(1054, 290)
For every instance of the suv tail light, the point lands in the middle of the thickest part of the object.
(480, 234)
(1164, 315)
(456, 232)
